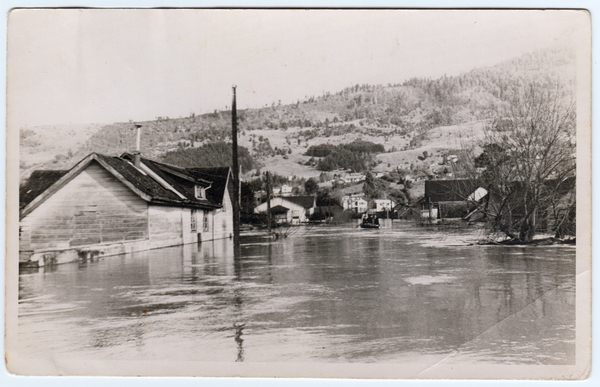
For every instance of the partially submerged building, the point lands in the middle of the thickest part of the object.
(109, 205)
(289, 209)
(449, 198)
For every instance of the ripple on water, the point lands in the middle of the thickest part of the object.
(429, 279)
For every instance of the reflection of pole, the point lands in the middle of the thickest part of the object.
(238, 325)
(236, 173)
(239, 341)
(268, 203)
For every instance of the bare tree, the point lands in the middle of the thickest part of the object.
(528, 163)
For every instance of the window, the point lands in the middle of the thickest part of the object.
(205, 222)
(193, 220)
(199, 192)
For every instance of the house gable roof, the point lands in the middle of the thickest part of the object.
(279, 209)
(449, 190)
(153, 182)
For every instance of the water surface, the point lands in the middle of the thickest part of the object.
(324, 294)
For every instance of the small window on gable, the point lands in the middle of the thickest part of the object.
(200, 192)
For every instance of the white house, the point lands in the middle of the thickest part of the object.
(285, 190)
(355, 202)
(290, 209)
(381, 205)
(351, 178)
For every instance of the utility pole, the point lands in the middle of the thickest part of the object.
(236, 173)
(268, 203)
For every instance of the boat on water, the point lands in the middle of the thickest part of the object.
(370, 221)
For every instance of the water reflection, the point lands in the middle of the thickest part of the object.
(328, 294)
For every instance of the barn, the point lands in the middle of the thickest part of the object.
(449, 198)
(108, 205)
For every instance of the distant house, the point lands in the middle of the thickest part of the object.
(285, 190)
(108, 205)
(328, 211)
(403, 211)
(355, 202)
(290, 209)
(352, 178)
(382, 205)
(449, 198)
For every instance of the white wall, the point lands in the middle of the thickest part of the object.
(165, 225)
(294, 210)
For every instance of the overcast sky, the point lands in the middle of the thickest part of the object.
(102, 66)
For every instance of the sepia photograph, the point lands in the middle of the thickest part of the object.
(299, 193)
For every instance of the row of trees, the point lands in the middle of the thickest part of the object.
(356, 156)
(210, 155)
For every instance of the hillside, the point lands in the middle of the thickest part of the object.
(46, 145)
(438, 116)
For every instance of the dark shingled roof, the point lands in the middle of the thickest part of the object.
(139, 180)
(449, 190)
(304, 201)
(38, 182)
(279, 209)
(183, 180)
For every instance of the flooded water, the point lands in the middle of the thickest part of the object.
(324, 294)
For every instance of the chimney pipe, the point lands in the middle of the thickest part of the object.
(137, 159)
(139, 135)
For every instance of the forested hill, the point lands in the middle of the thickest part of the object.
(412, 107)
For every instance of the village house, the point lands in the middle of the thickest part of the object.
(449, 198)
(383, 205)
(290, 209)
(109, 205)
(332, 210)
(355, 202)
(352, 178)
(285, 190)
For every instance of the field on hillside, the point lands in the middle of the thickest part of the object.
(444, 140)
(53, 146)
(45, 147)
